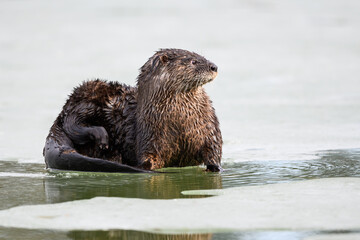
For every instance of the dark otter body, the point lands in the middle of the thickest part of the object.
(166, 121)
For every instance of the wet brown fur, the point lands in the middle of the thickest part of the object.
(166, 121)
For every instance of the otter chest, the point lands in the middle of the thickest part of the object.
(190, 124)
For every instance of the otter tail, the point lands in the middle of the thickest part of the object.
(63, 157)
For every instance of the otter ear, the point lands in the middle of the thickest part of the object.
(164, 58)
(159, 60)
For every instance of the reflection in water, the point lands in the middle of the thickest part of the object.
(134, 235)
(76, 186)
(137, 235)
(17, 233)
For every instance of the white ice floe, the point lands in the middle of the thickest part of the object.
(323, 204)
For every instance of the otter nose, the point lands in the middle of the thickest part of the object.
(213, 67)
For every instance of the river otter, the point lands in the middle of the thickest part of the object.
(166, 121)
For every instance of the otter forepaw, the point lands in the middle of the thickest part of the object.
(147, 165)
(214, 168)
(151, 162)
(104, 146)
(100, 136)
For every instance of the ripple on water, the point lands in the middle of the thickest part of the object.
(327, 164)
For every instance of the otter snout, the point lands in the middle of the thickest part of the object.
(212, 71)
(213, 67)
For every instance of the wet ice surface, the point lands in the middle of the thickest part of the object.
(287, 97)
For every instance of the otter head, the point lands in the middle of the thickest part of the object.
(176, 70)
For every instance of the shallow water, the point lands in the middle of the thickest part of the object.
(287, 97)
(19, 182)
(28, 184)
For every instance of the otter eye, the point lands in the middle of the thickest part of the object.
(193, 62)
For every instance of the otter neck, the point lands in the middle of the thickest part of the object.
(162, 87)
(163, 103)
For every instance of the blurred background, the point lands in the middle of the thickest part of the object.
(288, 82)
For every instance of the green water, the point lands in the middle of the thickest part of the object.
(25, 184)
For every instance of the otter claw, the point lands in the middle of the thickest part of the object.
(103, 146)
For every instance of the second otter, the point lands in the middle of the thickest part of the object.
(167, 121)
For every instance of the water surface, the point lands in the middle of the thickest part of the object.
(19, 182)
